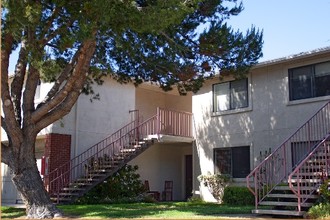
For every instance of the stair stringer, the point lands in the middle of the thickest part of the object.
(69, 194)
(294, 196)
(275, 169)
(116, 152)
(311, 172)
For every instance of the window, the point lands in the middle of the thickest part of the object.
(234, 161)
(230, 95)
(309, 81)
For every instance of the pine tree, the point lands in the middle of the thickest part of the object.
(72, 43)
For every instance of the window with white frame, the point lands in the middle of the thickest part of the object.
(230, 95)
(234, 161)
(309, 81)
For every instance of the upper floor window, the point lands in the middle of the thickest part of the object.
(309, 81)
(230, 95)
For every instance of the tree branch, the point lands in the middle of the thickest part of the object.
(13, 128)
(3, 124)
(18, 81)
(63, 101)
(29, 92)
(6, 154)
(54, 97)
(49, 23)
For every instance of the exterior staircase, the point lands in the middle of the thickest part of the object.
(83, 172)
(287, 181)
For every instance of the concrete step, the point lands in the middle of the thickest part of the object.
(273, 203)
(68, 194)
(278, 212)
(292, 196)
(306, 180)
(287, 188)
(128, 150)
(80, 184)
(60, 199)
(73, 189)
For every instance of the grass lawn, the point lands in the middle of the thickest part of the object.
(161, 210)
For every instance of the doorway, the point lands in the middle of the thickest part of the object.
(188, 176)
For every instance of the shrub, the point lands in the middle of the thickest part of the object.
(122, 187)
(321, 210)
(325, 192)
(238, 195)
(195, 200)
(216, 184)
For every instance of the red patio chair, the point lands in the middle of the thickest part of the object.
(153, 194)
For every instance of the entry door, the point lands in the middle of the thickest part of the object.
(188, 176)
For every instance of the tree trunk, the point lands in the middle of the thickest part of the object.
(29, 183)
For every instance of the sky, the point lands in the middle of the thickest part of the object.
(289, 26)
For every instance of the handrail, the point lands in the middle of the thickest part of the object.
(176, 123)
(164, 122)
(95, 148)
(276, 167)
(317, 167)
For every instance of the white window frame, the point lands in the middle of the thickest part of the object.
(312, 84)
(223, 105)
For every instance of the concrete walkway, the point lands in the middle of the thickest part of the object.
(16, 205)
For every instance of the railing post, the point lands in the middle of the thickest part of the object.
(256, 190)
(137, 127)
(284, 161)
(326, 160)
(158, 122)
(309, 135)
(298, 189)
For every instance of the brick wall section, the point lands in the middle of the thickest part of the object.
(58, 148)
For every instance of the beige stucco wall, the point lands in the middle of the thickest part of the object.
(91, 121)
(164, 161)
(149, 97)
(266, 123)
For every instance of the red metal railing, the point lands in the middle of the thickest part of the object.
(176, 123)
(164, 122)
(311, 172)
(71, 169)
(276, 167)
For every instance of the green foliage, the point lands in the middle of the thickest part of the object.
(238, 195)
(216, 184)
(124, 186)
(195, 200)
(325, 192)
(173, 42)
(321, 210)
(11, 212)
